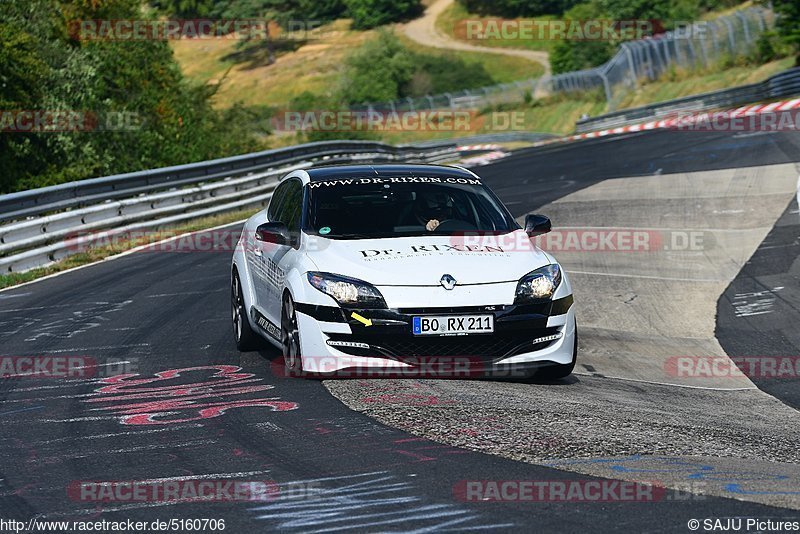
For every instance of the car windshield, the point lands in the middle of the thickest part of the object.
(362, 208)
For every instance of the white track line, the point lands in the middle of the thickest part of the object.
(647, 277)
(591, 375)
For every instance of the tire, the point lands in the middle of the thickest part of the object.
(558, 371)
(246, 340)
(290, 338)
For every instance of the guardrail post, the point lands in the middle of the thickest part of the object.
(703, 51)
(731, 40)
(430, 101)
(714, 38)
(606, 85)
(632, 67)
(650, 71)
(745, 26)
(667, 55)
(449, 98)
(678, 57)
(762, 24)
(691, 49)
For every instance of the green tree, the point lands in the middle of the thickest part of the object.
(377, 71)
(435, 74)
(371, 13)
(571, 55)
(43, 68)
(383, 69)
(789, 24)
(517, 8)
(319, 10)
(189, 9)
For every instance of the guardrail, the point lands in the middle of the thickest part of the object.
(48, 222)
(784, 84)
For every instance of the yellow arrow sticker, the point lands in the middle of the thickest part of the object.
(360, 319)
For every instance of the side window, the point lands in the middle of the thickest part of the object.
(275, 201)
(291, 207)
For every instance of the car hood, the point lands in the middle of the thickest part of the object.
(421, 261)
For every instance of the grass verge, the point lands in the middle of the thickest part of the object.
(451, 23)
(678, 82)
(502, 68)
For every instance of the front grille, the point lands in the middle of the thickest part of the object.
(410, 348)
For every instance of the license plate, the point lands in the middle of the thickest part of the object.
(451, 325)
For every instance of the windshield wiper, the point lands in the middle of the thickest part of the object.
(350, 236)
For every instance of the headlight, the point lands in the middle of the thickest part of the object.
(540, 284)
(348, 292)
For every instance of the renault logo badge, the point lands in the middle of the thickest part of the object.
(448, 282)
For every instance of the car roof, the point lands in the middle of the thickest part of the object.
(333, 172)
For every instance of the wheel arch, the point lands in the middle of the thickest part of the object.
(247, 290)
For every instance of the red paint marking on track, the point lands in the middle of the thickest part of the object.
(169, 400)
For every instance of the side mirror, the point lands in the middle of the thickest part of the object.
(537, 225)
(274, 232)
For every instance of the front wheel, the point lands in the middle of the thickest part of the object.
(290, 338)
(246, 339)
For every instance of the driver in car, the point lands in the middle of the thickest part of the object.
(432, 209)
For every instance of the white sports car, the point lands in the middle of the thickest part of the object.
(396, 268)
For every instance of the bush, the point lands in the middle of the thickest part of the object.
(307, 101)
(446, 73)
(383, 69)
(517, 8)
(377, 71)
(767, 47)
(371, 13)
(279, 10)
(568, 56)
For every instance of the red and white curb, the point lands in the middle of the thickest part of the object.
(478, 148)
(484, 159)
(680, 120)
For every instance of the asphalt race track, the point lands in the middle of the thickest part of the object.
(393, 455)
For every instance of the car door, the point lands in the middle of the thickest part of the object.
(257, 252)
(278, 259)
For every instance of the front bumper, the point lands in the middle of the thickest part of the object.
(334, 341)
